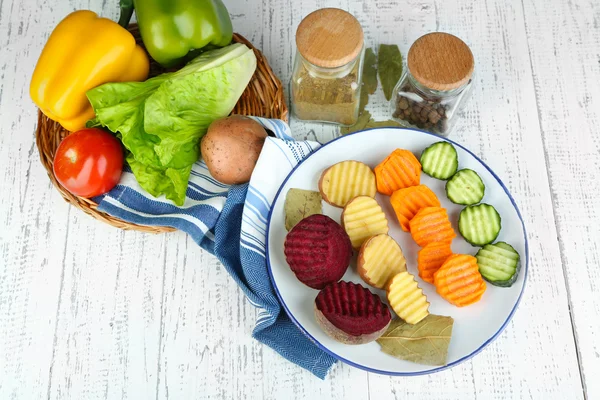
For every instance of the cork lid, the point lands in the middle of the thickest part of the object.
(329, 38)
(440, 61)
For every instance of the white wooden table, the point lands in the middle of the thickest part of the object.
(91, 312)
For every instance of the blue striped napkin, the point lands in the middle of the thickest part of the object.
(230, 222)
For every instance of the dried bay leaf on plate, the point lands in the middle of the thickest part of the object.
(299, 204)
(423, 343)
(389, 66)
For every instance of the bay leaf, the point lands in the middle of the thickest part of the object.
(363, 120)
(299, 204)
(382, 124)
(369, 78)
(424, 343)
(389, 66)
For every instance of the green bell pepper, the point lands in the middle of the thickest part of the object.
(171, 29)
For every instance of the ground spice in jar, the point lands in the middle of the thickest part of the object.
(326, 80)
(326, 99)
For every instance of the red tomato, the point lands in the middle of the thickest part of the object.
(89, 162)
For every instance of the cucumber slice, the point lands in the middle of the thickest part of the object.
(440, 160)
(499, 264)
(479, 224)
(465, 187)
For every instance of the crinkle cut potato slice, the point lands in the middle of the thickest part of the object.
(346, 180)
(363, 218)
(379, 259)
(407, 299)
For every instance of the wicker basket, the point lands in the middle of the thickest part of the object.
(262, 98)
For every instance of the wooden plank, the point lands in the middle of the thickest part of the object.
(205, 334)
(564, 46)
(32, 217)
(108, 328)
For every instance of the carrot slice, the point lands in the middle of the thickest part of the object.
(431, 224)
(399, 170)
(431, 257)
(408, 201)
(458, 280)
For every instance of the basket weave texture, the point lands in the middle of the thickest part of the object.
(262, 98)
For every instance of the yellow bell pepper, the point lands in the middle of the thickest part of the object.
(83, 51)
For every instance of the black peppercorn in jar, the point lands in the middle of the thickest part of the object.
(326, 80)
(435, 85)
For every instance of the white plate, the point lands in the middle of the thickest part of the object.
(475, 326)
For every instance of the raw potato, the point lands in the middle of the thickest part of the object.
(362, 218)
(346, 180)
(380, 258)
(231, 148)
(407, 299)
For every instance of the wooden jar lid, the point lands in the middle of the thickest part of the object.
(440, 61)
(329, 38)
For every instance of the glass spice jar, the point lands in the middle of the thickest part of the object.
(436, 84)
(326, 81)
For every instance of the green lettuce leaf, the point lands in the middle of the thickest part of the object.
(162, 120)
(170, 181)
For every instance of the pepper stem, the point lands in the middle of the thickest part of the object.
(126, 12)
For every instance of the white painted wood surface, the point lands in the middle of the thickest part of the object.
(91, 312)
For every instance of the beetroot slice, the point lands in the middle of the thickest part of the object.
(353, 309)
(318, 251)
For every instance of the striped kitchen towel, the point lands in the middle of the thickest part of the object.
(230, 222)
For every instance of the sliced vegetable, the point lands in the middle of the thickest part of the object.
(458, 280)
(431, 257)
(171, 29)
(346, 180)
(363, 218)
(431, 224)
(380, 258)
(408, 201)
(465, 187)
(479, 224)
(499, 264)
(440, 160)
(399, 170)
(407, 299)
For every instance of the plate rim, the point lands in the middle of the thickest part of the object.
(374, 370)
